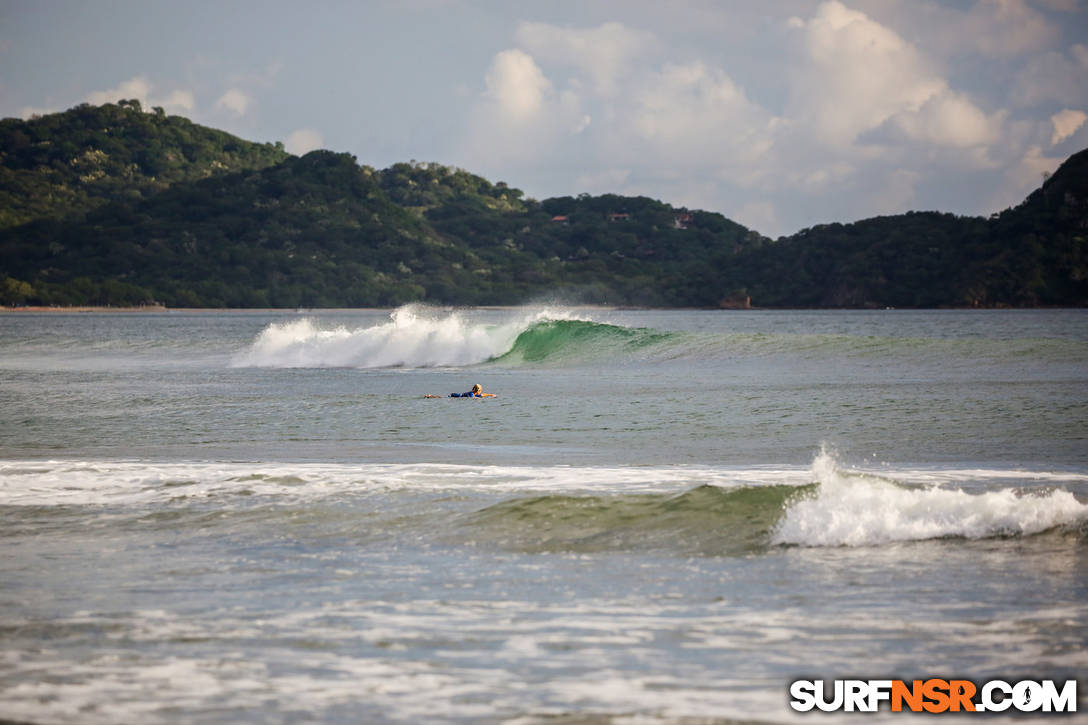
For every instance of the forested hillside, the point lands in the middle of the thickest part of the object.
(1031, 255)
(115, 205)
(64, 164)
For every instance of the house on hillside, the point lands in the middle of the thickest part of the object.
(619, 217)
(564, 220)
(683, 220)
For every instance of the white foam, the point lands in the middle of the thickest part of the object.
(555, 658)
(860, 509)
(47, 483)
(849, 508)
(415, 336)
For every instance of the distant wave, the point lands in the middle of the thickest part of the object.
(419, 337)
(414, 337)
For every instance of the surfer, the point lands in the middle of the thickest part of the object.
(476, 392)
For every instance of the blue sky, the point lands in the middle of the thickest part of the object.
(779, 115)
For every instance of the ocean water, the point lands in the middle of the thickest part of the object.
(664, 516)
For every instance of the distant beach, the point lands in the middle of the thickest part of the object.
(84, 308)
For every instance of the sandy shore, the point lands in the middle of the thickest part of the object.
(143, 308)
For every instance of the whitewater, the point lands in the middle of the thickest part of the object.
(664, 516)
(414, 336)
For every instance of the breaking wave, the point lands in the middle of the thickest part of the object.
(861, 509)
(675, 510)
(413, 337)
(417, 336)
(420, 337)
(837, 508)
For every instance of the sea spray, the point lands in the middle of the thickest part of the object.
(861, 509)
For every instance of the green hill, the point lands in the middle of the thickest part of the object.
(286, 235)
(323, 231)
(112, 205)
(1034, 254)
(61, 165)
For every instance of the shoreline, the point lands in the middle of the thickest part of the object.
(84, 308)
(92, 309)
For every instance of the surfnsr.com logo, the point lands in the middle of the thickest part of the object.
(934, 696)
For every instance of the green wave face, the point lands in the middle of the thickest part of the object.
(568, 340)
(578, 341)
(703, 521)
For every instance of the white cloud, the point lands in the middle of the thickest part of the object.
(517, 86)
(848, 117)
(140, 88)
(605, 53)
(302, 141)
(177, 101)
(1066, 123)
(236, 101)
(856, 75)
(1025, 175)
(696, 115)
(520, 115)
(948, 119)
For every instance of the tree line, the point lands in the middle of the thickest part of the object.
(115, 205)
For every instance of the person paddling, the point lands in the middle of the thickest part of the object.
(476, 392)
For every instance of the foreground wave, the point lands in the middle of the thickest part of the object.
(861, 509)
(707, 520)
(672, 509)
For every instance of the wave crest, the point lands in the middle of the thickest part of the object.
(572, 339)
(859, 509)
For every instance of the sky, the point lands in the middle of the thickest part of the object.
(778, 114)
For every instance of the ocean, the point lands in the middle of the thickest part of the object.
(663, 516)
